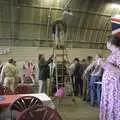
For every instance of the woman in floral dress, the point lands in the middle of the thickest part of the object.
(110, 99)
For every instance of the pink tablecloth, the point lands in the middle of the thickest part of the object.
(7, 100)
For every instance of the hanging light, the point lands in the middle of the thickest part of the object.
(18, 7)
(68, 12)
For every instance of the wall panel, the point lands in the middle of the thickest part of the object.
(31, 53)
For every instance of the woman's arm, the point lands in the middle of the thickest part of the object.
(109, 66)
(90, 67)
(112, 67)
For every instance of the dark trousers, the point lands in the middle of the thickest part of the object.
(88, 88)
(85, 89)
(73, 83)
(78, 90)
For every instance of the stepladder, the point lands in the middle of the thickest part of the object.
(62, 74)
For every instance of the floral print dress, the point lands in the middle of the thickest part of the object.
(110, 98)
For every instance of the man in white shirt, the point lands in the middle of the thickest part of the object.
(9, 74)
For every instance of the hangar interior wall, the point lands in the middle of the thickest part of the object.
(31, 53)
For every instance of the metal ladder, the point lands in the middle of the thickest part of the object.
(61, 59)
(63, 78)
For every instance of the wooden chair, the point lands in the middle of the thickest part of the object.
(39, 113)
(21, 103)
(24, 89)
(5, 91)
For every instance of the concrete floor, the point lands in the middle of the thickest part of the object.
(77, 111)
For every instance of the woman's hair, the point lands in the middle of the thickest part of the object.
(89, 58)
(115, 40)
(99, 55)
(39, 57)
(76, 59)
(10, 60)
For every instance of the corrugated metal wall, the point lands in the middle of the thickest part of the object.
(21, 54)
(28, 22)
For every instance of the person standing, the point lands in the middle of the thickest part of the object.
(9, 74)
(52, 69)
(18, 79)
(96, 76)
(1, 66)
(43, 66)
(110, 98)
(86, 79)
(71, 68)
(77, 73)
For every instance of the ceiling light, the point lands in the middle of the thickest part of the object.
(115, 5)
(67, 12)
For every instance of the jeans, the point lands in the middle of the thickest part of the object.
(94, 91)
(99, 89)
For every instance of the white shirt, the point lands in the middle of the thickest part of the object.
(52, 67)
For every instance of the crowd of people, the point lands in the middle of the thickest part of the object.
(85, 74)
(82, 72)
(106, 94)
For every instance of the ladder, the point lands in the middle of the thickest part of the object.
(63, 78)
(62, 74)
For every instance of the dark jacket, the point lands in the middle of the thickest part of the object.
(78, 70)
(44, 69)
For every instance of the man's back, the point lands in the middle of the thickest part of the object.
(9, 70)
(78, 69)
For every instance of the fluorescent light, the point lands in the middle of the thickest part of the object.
(115, 5)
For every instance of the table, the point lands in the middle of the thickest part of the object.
(42, 96)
